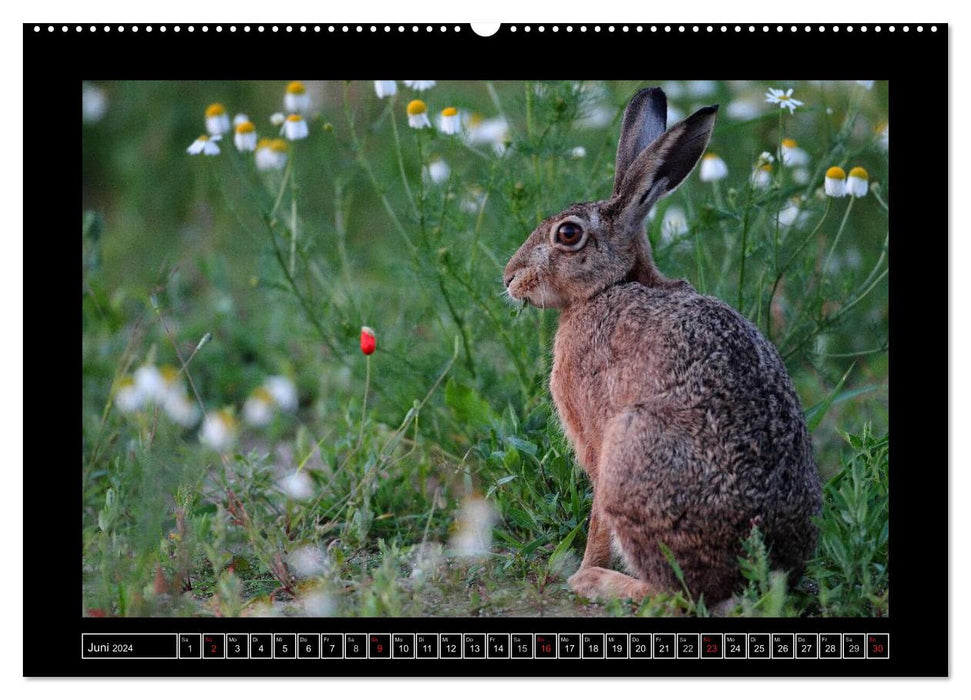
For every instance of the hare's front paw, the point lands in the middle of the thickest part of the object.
(586, 581)
(597, 583)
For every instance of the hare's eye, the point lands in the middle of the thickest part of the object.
(569, 233)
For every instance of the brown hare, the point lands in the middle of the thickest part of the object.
(679, 410)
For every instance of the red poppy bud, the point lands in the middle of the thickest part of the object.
(368, 341)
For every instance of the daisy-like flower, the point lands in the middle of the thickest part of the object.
(473, 534)
(297, 486)
(762, 176)
(245, 137)
(450, 122)
(792, 155)
(883, 136)
(239, 119)
(258, 408)
(835, 182)
(493, 131)
(149, 383)
(674, 224)
(128, 398)
(296, 100)
(418, 115)
(204, 145)
(218, 431)
(283, 392)
(858, 182)
(385, 88)
(578, 152)
(271, 154)
(712, 168)
(790, 212)
(436, 171)
(368, 340)
(420, 85)
(277, 118)
(295, 128)
(179, 407)
(217, 121)
(785, 100)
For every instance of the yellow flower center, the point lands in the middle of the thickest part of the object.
(294, 118)
(296, 88)
(449, 112)
(169, 373)
(264, 143)
(226, 416)
(836, 173)
(766, 168)
(261, 393)
(279, 145)
(126, 382)
(416, 107)
(245, 128)
(789, 143)
(215, 110)
(711, 156)
(203, 138)
(860, 173)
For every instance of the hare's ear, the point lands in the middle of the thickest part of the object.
(645, 119)
(663, 165)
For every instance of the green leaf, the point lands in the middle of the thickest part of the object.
(815, 415)
(467, 406)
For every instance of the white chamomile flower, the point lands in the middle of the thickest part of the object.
(128, 398)
(800, 176)
(179, 407)
(418, 115)
(385, 88)
(762, 176)
(419, 85)
(436, 171)
(94, 103)
(297, 486)
(218, 431)
(277, 118)
(578, 152)
(674, 224)
(296, 100)
(790, 212)
(473, 534)
(239, 119)
(271, 154)
(245, 137)
(712, 168)
(493, 131)
(835, 182)
(283, 392)
(792, 155)
(150, 383)
(858, 182)
(784, 99)
(205, 145)
(217, 120)
(309, 561)
(258, 408)
(883, 136)
(295, 128)
(449, 122)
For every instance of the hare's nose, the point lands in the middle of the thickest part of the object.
(508, 278)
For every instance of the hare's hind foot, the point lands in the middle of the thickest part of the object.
(597, 583)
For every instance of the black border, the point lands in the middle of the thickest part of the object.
(918, 625)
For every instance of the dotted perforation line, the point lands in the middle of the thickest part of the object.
(512, 28)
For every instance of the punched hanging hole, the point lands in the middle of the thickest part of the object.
(486, 28)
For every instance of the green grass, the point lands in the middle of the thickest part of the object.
(447, 431)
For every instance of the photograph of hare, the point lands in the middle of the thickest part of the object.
(419, 348)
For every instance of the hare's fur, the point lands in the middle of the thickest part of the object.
(679, 410)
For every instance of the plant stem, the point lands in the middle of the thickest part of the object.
(367, 386)
(839, 233)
